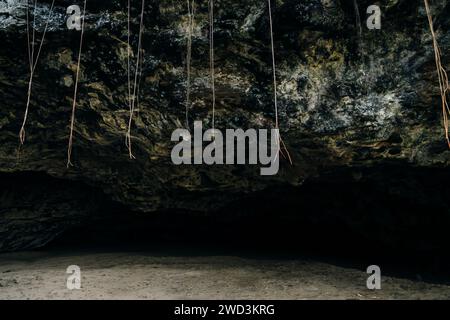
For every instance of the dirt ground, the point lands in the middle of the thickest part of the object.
(125, 275)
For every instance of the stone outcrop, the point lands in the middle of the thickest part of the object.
(347, 102)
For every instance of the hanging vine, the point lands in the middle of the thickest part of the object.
(211, 61)
(132, 95)
(33, 61)
(282, 149)
(75, 93)
(191, 25)
(442, 74)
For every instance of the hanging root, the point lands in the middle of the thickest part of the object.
(74, 105)
(134, 93)
(442, 75)
(358, 25)
(286, 154)
(138, 96)
(28, 35)
(32, 61)
(129, 49)
(34, 31)
(191, 24)
(281, 144)
(211, 61)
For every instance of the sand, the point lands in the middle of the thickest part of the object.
(128, 275)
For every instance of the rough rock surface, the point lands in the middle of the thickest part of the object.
(346, 101)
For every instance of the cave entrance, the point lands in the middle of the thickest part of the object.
(395, 215)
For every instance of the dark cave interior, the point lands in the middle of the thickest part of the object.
(394, 216)
(361, 113)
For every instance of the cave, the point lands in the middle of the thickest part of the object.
(392, 214)
(86, 132)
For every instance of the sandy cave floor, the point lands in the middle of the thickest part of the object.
(125, 275)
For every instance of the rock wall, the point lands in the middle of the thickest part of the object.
(345, 100)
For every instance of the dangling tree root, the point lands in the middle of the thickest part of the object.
(442, 75)
(282, 149)
(74, 104)
(32, 60)
(132, 99)
(191, 25)
(211, 61)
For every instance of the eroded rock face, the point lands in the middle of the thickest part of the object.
(345, 101)
(35, 208)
